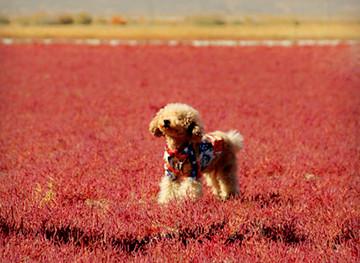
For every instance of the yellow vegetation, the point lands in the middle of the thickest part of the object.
(45, 196)
(309, 30)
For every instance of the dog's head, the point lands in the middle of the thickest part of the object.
(177, 120)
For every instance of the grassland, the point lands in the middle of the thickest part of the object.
(79, 171)
(309, 30)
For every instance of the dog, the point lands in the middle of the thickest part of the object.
(190, 153)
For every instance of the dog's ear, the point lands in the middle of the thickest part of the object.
(154, 126)
(196, 130)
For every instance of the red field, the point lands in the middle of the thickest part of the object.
(79, 170)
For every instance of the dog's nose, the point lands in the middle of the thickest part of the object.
(166, 123)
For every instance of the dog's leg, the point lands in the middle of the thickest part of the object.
(212, 182)
(169, 189)
(190, 188)
(228, 181)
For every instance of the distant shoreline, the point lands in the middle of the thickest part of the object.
(156, 8)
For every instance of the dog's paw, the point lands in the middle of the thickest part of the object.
(191, 188)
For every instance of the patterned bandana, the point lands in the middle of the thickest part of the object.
(183, 162)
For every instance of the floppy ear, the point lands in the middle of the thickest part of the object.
(196, 130)
(154, 127)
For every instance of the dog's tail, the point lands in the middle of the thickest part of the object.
(236, 139)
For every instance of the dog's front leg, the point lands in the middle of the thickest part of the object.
(169, 189)
(190, 188)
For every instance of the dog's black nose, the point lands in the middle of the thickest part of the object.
(166, 123)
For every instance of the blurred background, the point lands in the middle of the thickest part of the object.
(185, 19)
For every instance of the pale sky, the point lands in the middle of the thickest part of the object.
(323, 8)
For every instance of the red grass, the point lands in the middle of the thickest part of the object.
(79, 170)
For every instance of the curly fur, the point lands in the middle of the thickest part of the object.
(180, 123)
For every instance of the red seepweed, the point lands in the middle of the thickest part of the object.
(79, 171)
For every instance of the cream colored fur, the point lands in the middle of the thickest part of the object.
(170, 189)
(179, 124)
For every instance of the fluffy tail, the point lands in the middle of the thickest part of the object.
(235, 139)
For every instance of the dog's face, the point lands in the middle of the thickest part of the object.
(177, 120)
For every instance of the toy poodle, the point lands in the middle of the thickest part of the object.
(190, 154)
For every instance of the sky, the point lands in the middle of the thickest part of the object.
(312, 8)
